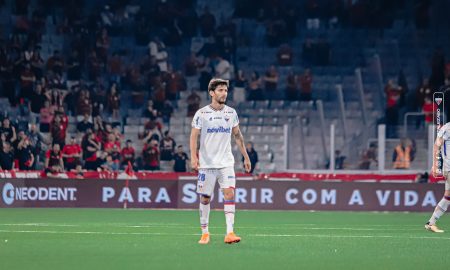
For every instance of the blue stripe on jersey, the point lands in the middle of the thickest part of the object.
(445, 148)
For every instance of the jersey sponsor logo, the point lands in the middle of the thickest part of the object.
(218, 130)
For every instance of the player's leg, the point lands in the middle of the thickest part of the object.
(205, 187)
(227, 183)
(440, 209)
(204, 209)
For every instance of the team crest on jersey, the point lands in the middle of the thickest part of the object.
(227, 119)
(210, 119)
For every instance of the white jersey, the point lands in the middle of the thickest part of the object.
(215, 136)
(444, 133)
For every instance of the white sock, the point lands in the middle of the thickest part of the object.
(440, 209)
(204, 216)
(229, 209)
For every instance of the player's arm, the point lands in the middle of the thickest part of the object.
(239, 138)
(435, 170)
(195, 132)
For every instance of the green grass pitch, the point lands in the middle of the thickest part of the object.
(166, 239)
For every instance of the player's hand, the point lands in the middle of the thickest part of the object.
(194, 164)
(247, 165)
(435, 171)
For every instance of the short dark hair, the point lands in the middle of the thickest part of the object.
(214, 82)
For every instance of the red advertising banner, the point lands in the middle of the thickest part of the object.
(270, 195)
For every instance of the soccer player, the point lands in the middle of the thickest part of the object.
(215, 124)
(442, 141)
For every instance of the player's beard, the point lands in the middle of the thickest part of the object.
(222, 101)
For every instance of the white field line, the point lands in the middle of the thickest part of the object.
(247, 235)
(176, 226)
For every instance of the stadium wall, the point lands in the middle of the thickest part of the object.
(180, 194)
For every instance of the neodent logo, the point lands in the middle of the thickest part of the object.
(218, 130)
(11, 194)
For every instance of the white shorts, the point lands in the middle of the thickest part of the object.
(207, 180)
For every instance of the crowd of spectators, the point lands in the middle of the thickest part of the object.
(82, 75)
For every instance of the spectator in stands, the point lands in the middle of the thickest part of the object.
(79, 172)
(103, 129)
(427, 109)
(128, 154)
(24, 153)
(166, 112)
(151, 156)
(37, 102)
(85, 124)
(58, 128)
(305, 85)
(402, 155)
(55, 63)
(339, 161)
(27, 79)
(175, 83)
(152, 132)
(112, 147)
(191, 65)
(9, 131)
(110, 165)
(285, 55)
(157, 49)
(240, 83)
(252, 154)
(180, 160)
(53, 160)
(193, 101)
(393, 94)
(90, 145)
(150, 112)
(222, 69)
(255, 91)
(159, 96)
(57, 97)
(71, 154)
(46, 116)
(369, 158)
(291, 93)
(6, 156)
(37, 63)
(37, 141)
(114, 101)
(84, 103)
(167, 147)
(271, 83)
